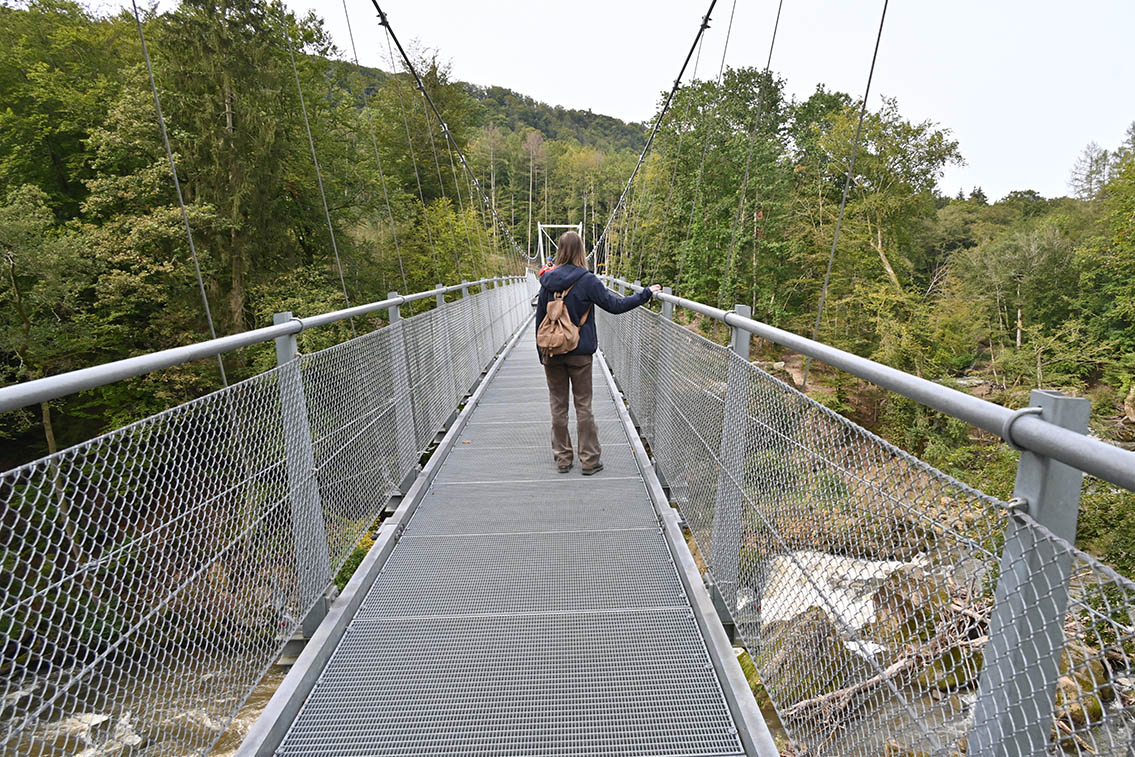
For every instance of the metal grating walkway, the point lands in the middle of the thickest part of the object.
(523, 611)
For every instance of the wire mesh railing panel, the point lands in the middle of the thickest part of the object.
(860, 579)
(479, 314)
(643, 338)
(361, 446)
(1078, 615)
(688, 411)
(461, 333)
(147, 574)
(431, 372)
(152, 575)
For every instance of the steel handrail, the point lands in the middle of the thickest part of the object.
(1029, 432)
(63, 384)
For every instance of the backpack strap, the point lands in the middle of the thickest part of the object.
(563, 296)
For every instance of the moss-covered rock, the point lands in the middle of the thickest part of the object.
(1083, 686)
(908, 605)
(807, 657)
(895, 749)
(956, 668)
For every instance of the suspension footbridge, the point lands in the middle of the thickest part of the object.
(508, 609)
(742, 537)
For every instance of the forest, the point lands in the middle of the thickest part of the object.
(736, 203)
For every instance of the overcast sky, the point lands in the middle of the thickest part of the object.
(1022, 85)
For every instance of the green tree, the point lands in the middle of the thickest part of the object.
(59, 69)
(41, 290)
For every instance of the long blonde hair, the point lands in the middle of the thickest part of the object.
(569, 250)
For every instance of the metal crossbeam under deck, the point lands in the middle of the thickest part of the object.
(526, 612)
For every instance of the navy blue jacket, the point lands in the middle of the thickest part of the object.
(588, 292)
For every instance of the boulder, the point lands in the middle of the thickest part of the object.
(908, 605)
(956, 668)
(806, 657)
(1083, 686)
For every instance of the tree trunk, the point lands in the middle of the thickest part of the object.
(993, 358)
(584, 219)
(1129, 405)
(878, 245)
(236, 294)
(48, 428)
(1020, 322)
(228, 107)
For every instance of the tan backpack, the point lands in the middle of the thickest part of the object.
(557, 334)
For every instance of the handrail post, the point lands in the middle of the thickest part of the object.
(443, 336)
(664, 406)
(404, 413)
(638, 376)
(470, 323)
(1014, 708)
(725, 548)
(494, 326)
(309, 535)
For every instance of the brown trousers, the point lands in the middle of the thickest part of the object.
(574, 371)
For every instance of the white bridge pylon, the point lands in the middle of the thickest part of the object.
(542, 232)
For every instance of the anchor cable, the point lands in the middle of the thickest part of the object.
(737, 222)
(715, 109)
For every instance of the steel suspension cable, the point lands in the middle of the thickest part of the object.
(737, 222)
(385, 22)
(456, 188)
(479, 218)
(640, 218)
(318, 173)
(846, 189)
(177, 187)
(705, 151)
(461, 207)
(657, 122)
(413, 157)
(674, 173)
(640, 230)
(377, 158)
(441, 185)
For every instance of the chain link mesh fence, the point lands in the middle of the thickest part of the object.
(152, 576)
(861, 580)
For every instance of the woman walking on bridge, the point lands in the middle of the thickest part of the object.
(572, 370)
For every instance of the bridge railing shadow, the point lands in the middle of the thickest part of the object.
(154, 574)
(887, 607)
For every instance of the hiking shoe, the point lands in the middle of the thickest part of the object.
(593, 471)
(563, 468)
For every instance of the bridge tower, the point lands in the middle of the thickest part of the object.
(542, 232)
